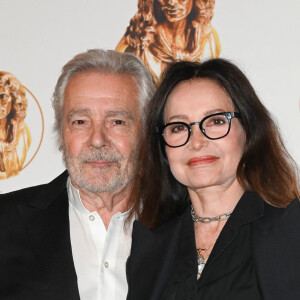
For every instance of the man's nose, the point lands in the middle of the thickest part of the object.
(99, 136)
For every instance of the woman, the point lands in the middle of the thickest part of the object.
(215, 166)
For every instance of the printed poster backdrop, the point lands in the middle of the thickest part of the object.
(39, 37)
(17, 149)
(164, 31)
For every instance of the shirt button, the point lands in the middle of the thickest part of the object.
(92, 218)
(106, 264)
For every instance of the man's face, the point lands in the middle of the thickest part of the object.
(101, 122)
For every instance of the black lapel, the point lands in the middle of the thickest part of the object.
(276, 242)
(183, 280)
(152, 259)
(248, 209)
(183, 276)
(46, 225)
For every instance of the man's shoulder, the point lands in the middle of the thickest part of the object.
(25, 195)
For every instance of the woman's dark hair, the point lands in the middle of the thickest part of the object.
(265, 168)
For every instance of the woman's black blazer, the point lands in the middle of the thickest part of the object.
(276, 251)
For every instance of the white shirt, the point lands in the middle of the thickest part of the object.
(99, 256)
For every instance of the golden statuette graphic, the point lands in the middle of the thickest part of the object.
(165, 31)
(15, 138)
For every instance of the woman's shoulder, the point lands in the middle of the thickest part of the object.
(278, 225)
(276, 250)
(288, 214)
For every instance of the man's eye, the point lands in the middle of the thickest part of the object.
(118, 122)
(78, 122)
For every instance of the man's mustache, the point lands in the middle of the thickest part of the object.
(101, 156)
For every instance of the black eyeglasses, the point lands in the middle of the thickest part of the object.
(214, 127)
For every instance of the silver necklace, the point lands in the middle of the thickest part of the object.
(209, 219)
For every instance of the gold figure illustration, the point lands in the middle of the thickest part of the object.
(15, 137)
(164, 31)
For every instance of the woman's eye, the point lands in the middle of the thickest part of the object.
(217, 121)
(178, 128)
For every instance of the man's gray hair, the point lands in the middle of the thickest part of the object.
(107, 62)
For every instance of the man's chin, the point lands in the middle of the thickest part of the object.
(98, 187)
(97, 182)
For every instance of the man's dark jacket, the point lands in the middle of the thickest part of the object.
(36, 260)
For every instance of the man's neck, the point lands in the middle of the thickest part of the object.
(106, 203)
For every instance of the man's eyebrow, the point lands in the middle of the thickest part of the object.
(74, 112)
(123, 113)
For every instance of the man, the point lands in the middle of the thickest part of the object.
(68, 239)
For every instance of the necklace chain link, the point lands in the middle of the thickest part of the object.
(209, 219)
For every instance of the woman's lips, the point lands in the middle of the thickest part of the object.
(207, 159)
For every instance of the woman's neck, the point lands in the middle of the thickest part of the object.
(216, 200)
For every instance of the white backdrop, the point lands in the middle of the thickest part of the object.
(39, 37)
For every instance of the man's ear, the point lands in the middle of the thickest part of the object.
(62, 149)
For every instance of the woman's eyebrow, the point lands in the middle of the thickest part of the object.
(185, 117)
(213, 111)
(176, 117)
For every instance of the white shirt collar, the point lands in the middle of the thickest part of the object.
(75, 200)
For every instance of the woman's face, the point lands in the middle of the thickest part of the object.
(203, 163)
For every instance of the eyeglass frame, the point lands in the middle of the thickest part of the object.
(228, 115)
